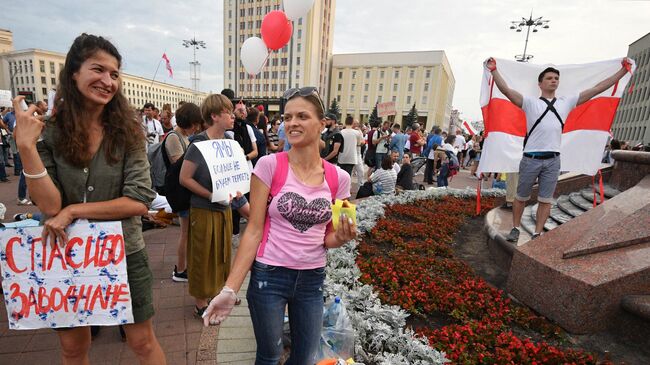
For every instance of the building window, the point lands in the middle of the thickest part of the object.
(299, 47)
(266, 74)
(396, 74)
(242, 12)
(382, 74)
(44, 92)
(299, 33)
(297, 60)
(394, 98)
(367, 74)
(43, 80)
(379, 99)
(408, 100)
(338, 88)
(257, 87)
(424, 100)
(351, 99)
(41, 65)
(394, 87)
(352, 87)
(410, 87)
(365, 87)
(365, 99)
(381, 87)
(283, 74)
(274, 75)
(426, 86)
(338, 98)
(242, 25)
(300, 21)
(411, 74)
(428, 74)
(274, 87)
(284, 61)
(297, 75)
(354, 75)
(340, 74)
(53, 81)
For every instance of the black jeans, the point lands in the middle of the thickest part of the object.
(428, 171)
(347, 168)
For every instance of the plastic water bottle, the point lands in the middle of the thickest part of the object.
(22, 216)
(332, 313)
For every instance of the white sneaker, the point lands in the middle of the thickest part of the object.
(3, 210)
(24, 202)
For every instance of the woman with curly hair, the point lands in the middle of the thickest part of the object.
(91, 164)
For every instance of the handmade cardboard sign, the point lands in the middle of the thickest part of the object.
(228, 168)
(84, 283)
(5, 98)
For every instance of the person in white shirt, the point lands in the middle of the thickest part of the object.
(152, 126)
(352, 138)
(545, 118)
(459, 145)
(359, 167)
(394, 156)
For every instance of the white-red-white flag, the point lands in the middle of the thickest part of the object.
(467, 127)
(168, 65)
(586, 129)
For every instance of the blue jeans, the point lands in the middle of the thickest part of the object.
(270, 290)
(378, 158)
(22, 187)
(18, 164)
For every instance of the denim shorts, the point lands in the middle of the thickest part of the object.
(545, 172)
(270, 290)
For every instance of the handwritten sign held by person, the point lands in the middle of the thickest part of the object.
(84, 283)
(228, 168)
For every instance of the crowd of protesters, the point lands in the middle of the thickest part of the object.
(303, 155)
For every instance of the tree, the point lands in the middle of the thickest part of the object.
(335, 109)
(374, 119)
(411, 117)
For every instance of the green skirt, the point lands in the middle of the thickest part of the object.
(209, 251)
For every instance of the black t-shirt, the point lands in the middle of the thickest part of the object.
(330, 138)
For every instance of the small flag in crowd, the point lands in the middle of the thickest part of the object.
(468, 128)
(168, 65)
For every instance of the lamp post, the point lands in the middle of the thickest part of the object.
(518, 26)
(195, 65)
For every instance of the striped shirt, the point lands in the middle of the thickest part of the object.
(385, 179)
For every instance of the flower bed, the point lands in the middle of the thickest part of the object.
(405, 260)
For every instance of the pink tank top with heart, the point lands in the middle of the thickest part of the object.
(299, 215)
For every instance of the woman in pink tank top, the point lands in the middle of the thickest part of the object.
(289, 231)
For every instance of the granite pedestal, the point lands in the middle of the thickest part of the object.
(579, 273)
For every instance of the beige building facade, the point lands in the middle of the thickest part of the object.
(304, 61)
(34, 72)
(359, 81)
(632, 121)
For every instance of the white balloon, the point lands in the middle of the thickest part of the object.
(254, 55)
(296, 9)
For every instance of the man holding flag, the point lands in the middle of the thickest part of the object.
(545, 119)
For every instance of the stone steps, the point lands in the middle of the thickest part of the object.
(550, 223)
(565, 208)
(580, 202)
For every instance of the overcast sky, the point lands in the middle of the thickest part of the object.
(467, 30)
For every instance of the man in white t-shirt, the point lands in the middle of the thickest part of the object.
(459, 145)
(151, 125)
(352, 138)
(545, 119)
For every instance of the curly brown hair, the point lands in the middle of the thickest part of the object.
(122, 130)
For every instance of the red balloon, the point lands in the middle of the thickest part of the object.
(276, 29)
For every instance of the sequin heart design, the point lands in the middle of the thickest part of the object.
(302, 215)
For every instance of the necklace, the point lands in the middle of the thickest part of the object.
(303, 175)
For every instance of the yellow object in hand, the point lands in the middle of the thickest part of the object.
(343, 207)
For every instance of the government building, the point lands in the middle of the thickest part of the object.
(423, 78)
(633, 115)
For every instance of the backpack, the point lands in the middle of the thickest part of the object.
(328, 138)
(453, 166)
(159, 162)
(178, 196)
(369, 158)
(280, 177)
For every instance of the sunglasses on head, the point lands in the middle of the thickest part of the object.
(304, 91)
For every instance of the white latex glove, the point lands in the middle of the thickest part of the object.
(220, 307)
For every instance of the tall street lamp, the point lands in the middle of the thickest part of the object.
(518, 26)
(195, 65)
